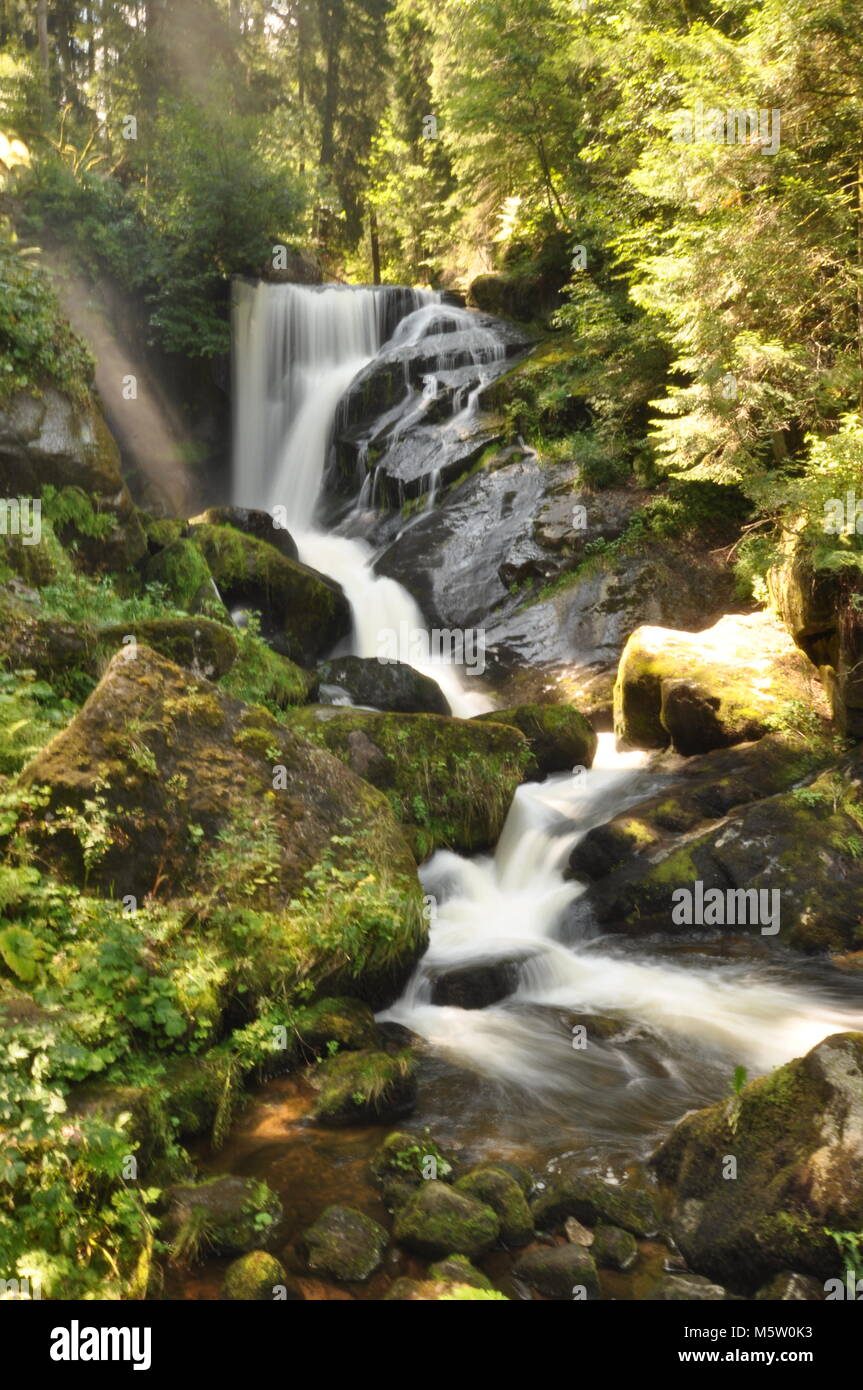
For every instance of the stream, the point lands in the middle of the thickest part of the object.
(602, 1042)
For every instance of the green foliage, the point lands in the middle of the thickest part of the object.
(37, 345)
(850, 1247)
(31, 713)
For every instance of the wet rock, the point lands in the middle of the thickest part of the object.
(438, 1221)
(257, 1278)
(577, 1234)
(569, 1191)
(520, 1175)
(476, 986)
(303, 613)
(345, 1244)
(185, 575)
(689, 1288)
(709, 689)
(227, 1215)
(560, 738)
(797, 1139)
(789, 1287)
(498, 1190)
(614, 1248)
(348, 1022)
(559, 1272)
(450, 781)
(385, 685)
(194, 1088)
(358, 1087)
(457, 1269)
(411, 1159)
(259, 524)
(438, 1291)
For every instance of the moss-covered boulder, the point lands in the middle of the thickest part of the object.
(261, 525)
(255, 1278)
(796, 1140)
(51, 440)
(560, 738)
(438, 1221)
(346, 1023)
(392, 686)
(356, 1087)
(188, 786)
(185, 575)
(204, 647)
(457, 1269)
(303, 613)
(345, 1244)
(709, 689)
(225, 1215)
(449, 781)
(613, 1248)
(559, 1272)
(569, 1191)
(404, 1161)
(498, 1190)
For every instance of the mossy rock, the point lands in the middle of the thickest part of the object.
(405, 1160)
(260, 525)
(457, 1269)
(303, 613)
(206, 648)
(256, 1278)
(161, 531)
(262, 677)
(690, 1288)
(797, 1138)
(569, 1191)
(348, 1022)
(710, 689)
(450, 782)
(439, 1291)
(438, 1221)
(194, 1089)
(50, 647)
(559, 736)
(139, 1111)
(185, 575)
(516, 1171)
(558, 1271)
(498, 1190)
(357, 1087)
(614, 1248)
(158, 751)
(224, 1215)
(345, 1244)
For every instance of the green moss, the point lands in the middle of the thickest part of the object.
(438, 1221)
(359, 1086)
(185, 575)
(254, 1278)
(503, 1194)
(345, 1244)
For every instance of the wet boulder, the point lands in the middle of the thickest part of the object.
(347, 1022)
(303, 613)
(256, 1278)
(449, 781)
(500, 1191)
(184, 574)
(796, 1140)
(559, 737)
(457, 1269)
(224, 1214)
(562, 1272)
(361, 1087)
(438, 1221)
(262, 526)
(710, 689)
(344, 1244)
(689, 1288)
(613, 1248)
(391, 686)
(569, 1191)
(477, 985)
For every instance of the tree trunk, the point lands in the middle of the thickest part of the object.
(42, 34)
(376, 247)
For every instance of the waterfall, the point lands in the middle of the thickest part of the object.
(296, 350)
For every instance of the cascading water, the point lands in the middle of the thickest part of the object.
(296, 350)
(678, 1026)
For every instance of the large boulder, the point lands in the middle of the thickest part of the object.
(392, 686)
(449, 781)
(261, 525)
(500, 1191)
(437, 1221)
(569, 1191)
(50, 439)
(560, 738)
(303, 613)
(156, 750)
(795, 1139)
(709, 689)
(365, 1086)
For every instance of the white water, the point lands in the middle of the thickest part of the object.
(296, 352)
(510, 905)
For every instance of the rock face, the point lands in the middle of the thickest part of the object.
(796, 1138)
(51, 440)
(710, 689)
(449, 781)
(819, 610)
(156, 750)
(303, 613)
(560, 738)
(392, 686)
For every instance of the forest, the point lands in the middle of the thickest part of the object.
(431, 650)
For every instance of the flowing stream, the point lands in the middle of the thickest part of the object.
(604, 1041)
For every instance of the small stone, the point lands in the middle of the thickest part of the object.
(577, 1234)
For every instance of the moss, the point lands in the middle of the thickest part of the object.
(450, 780)
(360, 1086)
(457, 1269)
(226, 1215)
(194, 1089)
(183, 571)
(572, 1192)
(207, 648)
(438, 1221)
(347, 1023)
(345, 1244)
(503, 1194)
(254, 1278)
(559, 736)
